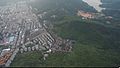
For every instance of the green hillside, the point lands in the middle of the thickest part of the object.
(96, 45)
(68, 6)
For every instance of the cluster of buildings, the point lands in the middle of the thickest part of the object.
(89, 15)
(85, 15)
(20, 27)
(15, 20)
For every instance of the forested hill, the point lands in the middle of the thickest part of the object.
(68, 6)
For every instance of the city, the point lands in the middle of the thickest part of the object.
(59, 33)
(20, 27)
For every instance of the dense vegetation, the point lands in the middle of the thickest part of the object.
(68, 6)
(60, 8)
(26, 58)
(96, 45)
(103, 39)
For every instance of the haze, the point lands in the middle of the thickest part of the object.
(95, 4)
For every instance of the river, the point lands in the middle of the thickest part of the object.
(95, 4)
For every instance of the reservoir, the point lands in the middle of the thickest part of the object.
(95, 4)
